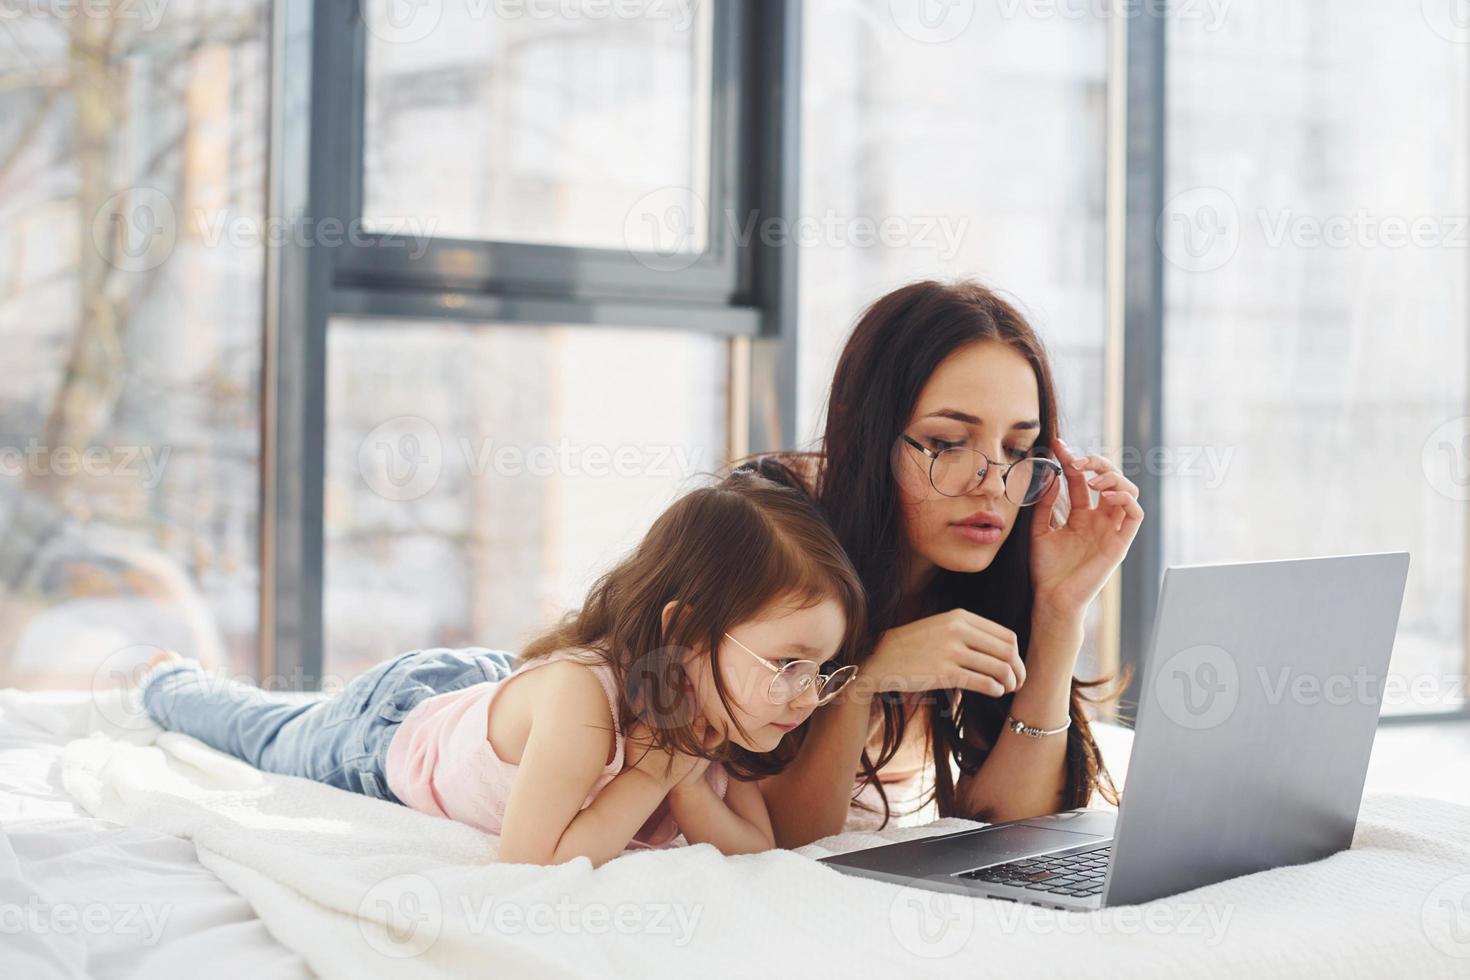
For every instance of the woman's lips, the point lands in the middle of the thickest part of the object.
(784, 728)
(978, 535)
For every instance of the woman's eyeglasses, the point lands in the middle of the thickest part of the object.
(791, 681)
(956, 471)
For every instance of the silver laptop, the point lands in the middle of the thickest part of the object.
(1256, 718)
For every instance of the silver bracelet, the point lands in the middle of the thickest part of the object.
(1021, 728)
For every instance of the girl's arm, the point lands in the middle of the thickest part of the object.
(810, 799)
(738, 824)
(954, 649)
(566, 750)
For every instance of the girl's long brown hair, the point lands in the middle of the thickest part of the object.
(896, 346)
(724, 553)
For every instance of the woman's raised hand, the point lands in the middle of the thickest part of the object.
(1070, 564)
(955, 649)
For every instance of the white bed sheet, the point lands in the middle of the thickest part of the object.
(83, 897)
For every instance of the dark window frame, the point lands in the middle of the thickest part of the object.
(1143, 352)
(734, 289)
(318, 66)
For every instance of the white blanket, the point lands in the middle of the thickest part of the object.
(363, 888)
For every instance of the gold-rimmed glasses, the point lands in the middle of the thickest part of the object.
(792, 680)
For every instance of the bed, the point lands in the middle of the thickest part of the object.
(129, 851)
(87, 897)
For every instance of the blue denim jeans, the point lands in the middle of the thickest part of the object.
(340, 740)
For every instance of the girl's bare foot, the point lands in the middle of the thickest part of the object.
(163, 657)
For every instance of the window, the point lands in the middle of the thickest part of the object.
(947, 149)
(132, 173)
(560, 125)
(1315, 305)
(480, 477)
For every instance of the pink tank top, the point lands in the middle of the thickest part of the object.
(440, 760)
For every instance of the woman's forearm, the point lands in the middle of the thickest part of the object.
(1024, 776)
(809, 800)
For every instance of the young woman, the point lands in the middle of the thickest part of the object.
(690, 663)
(939, 470)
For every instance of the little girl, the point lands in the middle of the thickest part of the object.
(691, 662)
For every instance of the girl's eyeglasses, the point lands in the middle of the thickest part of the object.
(955, 471)
(799, 676)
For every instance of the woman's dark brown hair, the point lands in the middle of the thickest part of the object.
(724, 553)
(896, 346)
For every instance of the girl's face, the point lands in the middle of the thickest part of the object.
(780, 634)
(984, 397)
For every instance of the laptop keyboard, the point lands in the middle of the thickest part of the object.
(1078, 874)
